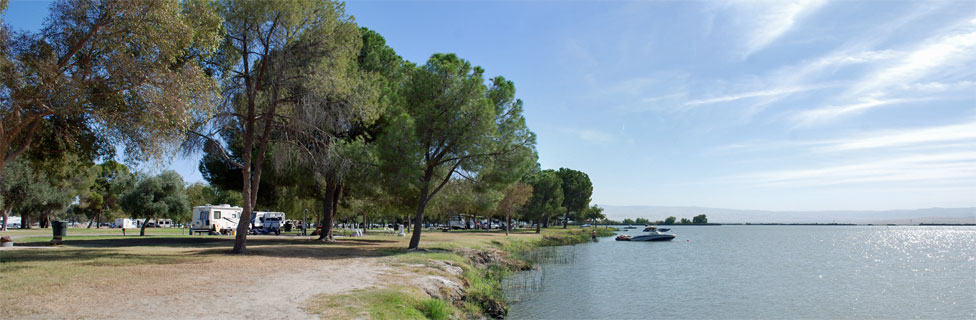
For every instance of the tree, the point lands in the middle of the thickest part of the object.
(628, 221)
(269, 49)
(669, 220)
(699, 219)
(201, 194)
(577, 190)
(126, 71)
(594, 213)
(547, 195)
(516, 196)
(15, 186)
(685, 221)
(110, 180)
(162, 196)
(643, 221)
(448, 125)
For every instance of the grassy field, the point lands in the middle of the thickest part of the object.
(91, 270)
(86, 231)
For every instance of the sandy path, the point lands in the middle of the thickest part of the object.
(274, 288)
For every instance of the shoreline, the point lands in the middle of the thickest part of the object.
(455, 275)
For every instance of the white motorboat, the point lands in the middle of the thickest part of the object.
(653, 235)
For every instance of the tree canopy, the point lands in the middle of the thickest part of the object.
(125, 70)
(448, 123)
(161, 196)
(577, 190)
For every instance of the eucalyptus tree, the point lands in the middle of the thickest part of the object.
(270, 48)
(547, 196)
(126, 70)
(161, 196)
(577, 190)
(449, 124)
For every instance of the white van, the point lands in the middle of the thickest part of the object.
(215, 219)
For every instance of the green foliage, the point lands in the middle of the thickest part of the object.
(577, 190)
(699, 219)
(628, 221)
(123, 70)
(594, 213)
(669, 220)
(199, 194)
(109, 181)
(547, 195)
(685, 221)
(162, 196)
(448, 122)
(642, 221)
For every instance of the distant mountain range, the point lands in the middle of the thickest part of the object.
(717, 215)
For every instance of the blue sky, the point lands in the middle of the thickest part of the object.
(777, 105)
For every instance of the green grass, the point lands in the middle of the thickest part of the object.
(85, 231)
(379, 303)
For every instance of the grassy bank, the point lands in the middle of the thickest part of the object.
(86, 277)
(483, 265)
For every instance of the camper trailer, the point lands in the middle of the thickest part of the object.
(265, 222)
(12, 221)
(457, 222)
(126, 223)
(215, 219)
(160, 223)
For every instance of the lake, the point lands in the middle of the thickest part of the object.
(722, 272)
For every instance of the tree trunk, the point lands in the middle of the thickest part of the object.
(508, 222)
(538, 224)
(91, 222)
(419, 219)
(45, 221)
(98, 225)
(566, 219)
(365, 224)
(325, 233)
(6, 214)
(25, 222)
(142, 231)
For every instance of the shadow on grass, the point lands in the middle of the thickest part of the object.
(95, 257)
(95, 249)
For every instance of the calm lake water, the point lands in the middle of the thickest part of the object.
(722, 272)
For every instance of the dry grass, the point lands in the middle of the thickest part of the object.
(112, 276)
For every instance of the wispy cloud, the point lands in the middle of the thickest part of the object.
(754, 94)
(825, 114)
(766, 21)
(897, 138)
(591, 135)
(941, 51)
(944, 167)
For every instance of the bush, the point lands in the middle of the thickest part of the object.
(435, 309)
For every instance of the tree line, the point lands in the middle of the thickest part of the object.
(293, 105)
(699, 219)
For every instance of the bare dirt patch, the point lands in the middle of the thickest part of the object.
(176, 284)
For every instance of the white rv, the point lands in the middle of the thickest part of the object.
(160, 223)
(267, 222)
(215, 219)
(127, 223)
(457, 222)
(12, 221)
